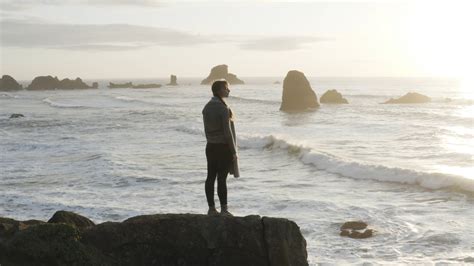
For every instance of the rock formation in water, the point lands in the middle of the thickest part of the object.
(173, 81)
(356, 229)
(68, 84)
(129, 85)
(332, 96)
(221, 72)
(8, 83)
(297, 93)
(16, 116)
(411, 97)
(161, 239)
(119, 85)
(147, 86)
(50, 83)
(44, 83)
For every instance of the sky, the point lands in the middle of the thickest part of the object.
(152, 38)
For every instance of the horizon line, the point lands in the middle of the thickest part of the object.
(243, 77)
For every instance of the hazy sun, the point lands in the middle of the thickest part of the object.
(440, 39)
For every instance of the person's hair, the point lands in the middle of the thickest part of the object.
(218, 85)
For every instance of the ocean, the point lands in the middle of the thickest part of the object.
(109, 154)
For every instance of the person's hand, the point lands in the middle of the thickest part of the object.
(236, 157)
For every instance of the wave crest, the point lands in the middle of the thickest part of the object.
(62, 105)
(356, 170)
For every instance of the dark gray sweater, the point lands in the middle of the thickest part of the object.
(217, 124)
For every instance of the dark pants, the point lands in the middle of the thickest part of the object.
(219, 160)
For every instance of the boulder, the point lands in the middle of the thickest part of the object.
(221, 72)
(333, 97)
(9, 227)
(354, 225)
(355, 229)
(95, 85)
(411, 97)
(71, 218)
(16, 116)
(173, 81)
(297, 93)
(7, 83)
(161, 239)
(48, 244)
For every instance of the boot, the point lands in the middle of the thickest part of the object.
(212, 211)
(224, 211)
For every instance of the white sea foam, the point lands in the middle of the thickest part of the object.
(127, 99)
(132, 99)
(62, 105)
(357, 170)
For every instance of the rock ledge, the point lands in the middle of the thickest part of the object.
(160, 239)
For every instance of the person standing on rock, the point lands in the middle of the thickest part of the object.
(221, 148)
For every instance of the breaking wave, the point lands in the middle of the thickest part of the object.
(357, 170)
(62, 105)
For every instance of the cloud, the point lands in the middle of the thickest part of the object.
(15, 5)
(20, 33)
(118, 37)
(280, 43)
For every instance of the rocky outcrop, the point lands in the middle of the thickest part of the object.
(7, 83)
(161, 239)
(16, 116)
(71, 218)
(297, 93)
(50, 83)
(68, 84)
(333, 97)
(411, 97)
(128, 85)
(221, 72)
(173, 81)
(356, 229)
(147, 86)
(44, 83)
(120, 85)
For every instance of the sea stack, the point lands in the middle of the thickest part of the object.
(50, 83)
(68, 84)
(297, 93)
(44, 83)
(173, 81)
(7, 83)
(333, 97)
(119, 85)
(411, 97)
(221, 72)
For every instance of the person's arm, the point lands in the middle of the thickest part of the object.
(228, 131)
